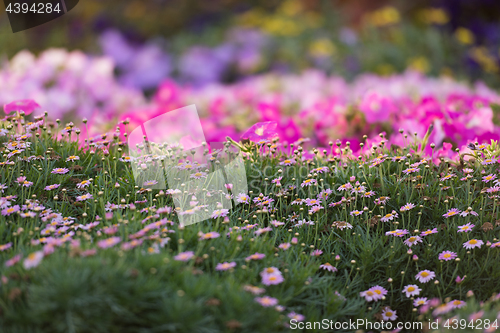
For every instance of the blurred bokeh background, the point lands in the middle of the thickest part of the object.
(234, 39)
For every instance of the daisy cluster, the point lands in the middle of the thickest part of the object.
(389, 235)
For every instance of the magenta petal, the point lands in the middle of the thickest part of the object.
(26, 105)
(261, 131)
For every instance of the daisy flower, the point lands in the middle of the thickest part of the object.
(184, 256)
(466, 227)
(27, 183)
(10, 210)
(413, 240)
(447, 255)
(60, 171)
(381, 200)
(5, 246)
(316, 253)
(51, 187)
(328, 267)
(411, 290)
(425, 276)
(284, 246)
(389, 216)
(295, 316)
(451, 212)
(308, 182)
(33, 259)
(255, 256)
(83, 184)
(242, 198)
(219, 213)
(467, 212)
(407, 207)
(84, 197)
(225, 266)
(198, 175)
(419, 301)
(288, 162)
(270, 270)
(429, 232)
(149, 183)
(270, 279)
(72, 158)
(456, 304)
(488, 178)
(254, 290)
(473, 243)
(388, 314)
(209, 235)
(356, 213)
(266, 301)
(109, 242)
(411, 170)
(12, 261)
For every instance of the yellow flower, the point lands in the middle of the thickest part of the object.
(420, 64)
(464, 36)
(385, 16)
(290, 7)
(322, 48)
(433, 16)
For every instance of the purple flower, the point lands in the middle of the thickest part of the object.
(447, 255)
(60, 171)
(184, 256)
(107, 243)
(225, 266)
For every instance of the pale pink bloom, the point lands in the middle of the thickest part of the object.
(184, 256)
(109, 242)
(425, 276)
(411, 290)
(270, 279)
(33, 259)
(266, 301)
(225, 266)
(473, 243)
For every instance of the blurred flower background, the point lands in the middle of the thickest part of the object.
(323, 70)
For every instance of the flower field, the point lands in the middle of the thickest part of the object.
(390, 236)
(293, 166)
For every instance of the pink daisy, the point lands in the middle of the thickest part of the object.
(266, 301)
(473, 243)
(225, 266)
(411, 290)
(109, 242)
(184, 256)
(33, 259)
(60, 171)
(447, 255)
(425, 276)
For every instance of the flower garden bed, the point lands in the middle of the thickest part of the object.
(394, 234)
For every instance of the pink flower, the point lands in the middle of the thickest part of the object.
(270, 279)
(10, 210)
(225, 266)
(411, 290)
(184, 256)
(473, 243)
(266, 301)
(109, 242)
(328, 267)
(26, 105)
(316, 253)
(447, 255)
(261, 131)
(33, 259)
(12, 261)
(255, 256)
(60, 171)
(5, 246)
